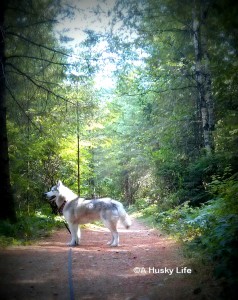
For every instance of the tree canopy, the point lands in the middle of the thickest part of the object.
(162, 136)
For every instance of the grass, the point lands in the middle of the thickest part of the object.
(28, 228)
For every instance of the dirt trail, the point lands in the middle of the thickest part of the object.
(99, 272)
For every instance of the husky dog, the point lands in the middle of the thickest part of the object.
(80, 211)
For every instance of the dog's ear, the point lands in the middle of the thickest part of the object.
(59, 183)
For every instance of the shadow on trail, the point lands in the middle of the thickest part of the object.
(98, 271)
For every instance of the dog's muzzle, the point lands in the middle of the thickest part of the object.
(49, 198)
(52, 198)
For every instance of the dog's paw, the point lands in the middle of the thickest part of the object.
(72, 244)
(114, 245)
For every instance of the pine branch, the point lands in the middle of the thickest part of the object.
(163, 30)
(158, 91)
(36, 44)
(38, 58)
(31, 24)
(39, 85)
(48, 48)
(22, 109)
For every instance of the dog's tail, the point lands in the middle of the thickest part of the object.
(124, 217)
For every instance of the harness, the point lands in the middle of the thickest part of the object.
(61, 208)
(60, 211)
(56, 210)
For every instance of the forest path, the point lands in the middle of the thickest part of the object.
(99, 272)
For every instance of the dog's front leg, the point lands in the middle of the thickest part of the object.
(78, 235)
(75, 234)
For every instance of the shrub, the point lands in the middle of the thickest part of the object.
(28, 228)
(212, 227)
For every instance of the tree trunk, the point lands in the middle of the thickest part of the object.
(7, 210)
(127, 188)
(203, 77)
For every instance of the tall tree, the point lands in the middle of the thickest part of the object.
(176, 88)
(202, 72)
(32, 65)
(8, 210)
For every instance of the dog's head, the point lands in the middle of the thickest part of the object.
(54, 192)
(52, 195)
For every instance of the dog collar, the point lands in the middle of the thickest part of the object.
(61, 208)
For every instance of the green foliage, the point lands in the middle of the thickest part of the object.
(144, 142)
(28, 228)
(211, 229)
(41, 103)
(197, 177)
(182, 221)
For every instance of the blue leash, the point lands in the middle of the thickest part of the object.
(71, 287)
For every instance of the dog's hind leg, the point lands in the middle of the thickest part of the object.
(75, 234)
(112, 226)
(112, 239)
(115, 241)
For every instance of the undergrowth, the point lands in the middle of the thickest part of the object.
(209, 231)
(28, 228)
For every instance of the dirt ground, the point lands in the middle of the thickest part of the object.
(146, 266)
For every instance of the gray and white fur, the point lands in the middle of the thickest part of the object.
(80, 211)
